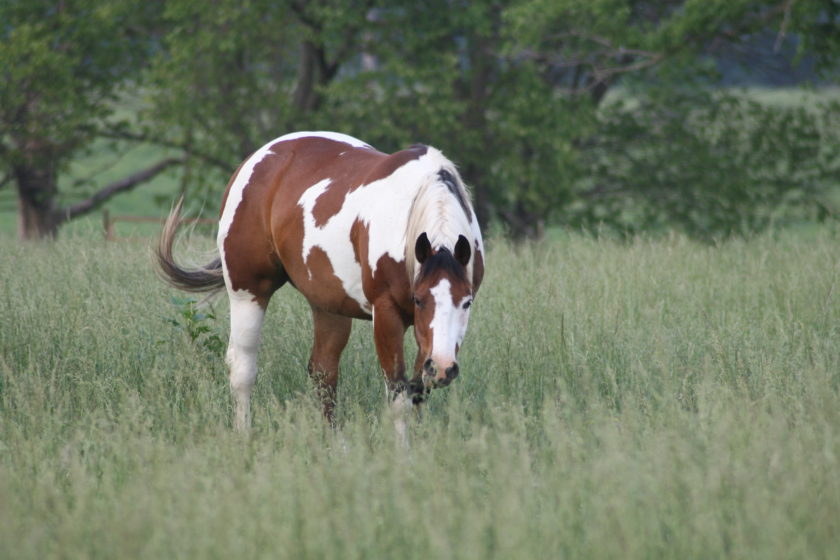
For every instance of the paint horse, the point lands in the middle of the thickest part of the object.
(362, 235)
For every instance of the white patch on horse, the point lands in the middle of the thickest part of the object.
(383, 206)
(449, 325)
(336, 136)
(330, 237)
(246, 318)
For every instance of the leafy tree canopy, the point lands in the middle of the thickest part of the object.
(62, 68)
(521, 93)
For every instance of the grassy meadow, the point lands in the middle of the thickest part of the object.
(657, 398)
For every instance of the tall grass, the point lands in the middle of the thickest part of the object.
(651, 399)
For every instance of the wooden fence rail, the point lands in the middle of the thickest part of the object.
(108, 222)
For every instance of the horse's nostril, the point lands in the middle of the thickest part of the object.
(428, 366)
(452, 371)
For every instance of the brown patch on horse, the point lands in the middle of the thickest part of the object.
(271, 234)
(389, 332)
(387, 277)
(386, 286)
(390, 276)
(252, 262)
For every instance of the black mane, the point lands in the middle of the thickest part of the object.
(451, 183)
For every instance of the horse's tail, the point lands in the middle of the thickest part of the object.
(207, 278)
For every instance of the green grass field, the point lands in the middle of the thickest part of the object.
(657, 399)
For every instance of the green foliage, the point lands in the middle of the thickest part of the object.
(516, 92)
(514, 137)
(196, 325)
(817, 22)
(711, 163)
(220, 81)
(674, 152)
(61, 67)
(659, 398)
(230, 78)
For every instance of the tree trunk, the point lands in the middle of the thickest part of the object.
(524, 224)
(305, 97)
(475, 93)
(481, 201)
(38, 217)
(37, 189)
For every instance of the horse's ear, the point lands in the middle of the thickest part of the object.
(462, 250)
(422, 249)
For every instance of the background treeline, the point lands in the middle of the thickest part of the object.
(605, 113)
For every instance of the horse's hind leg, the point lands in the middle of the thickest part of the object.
(246, 319)
(331, 335)
(250, 282)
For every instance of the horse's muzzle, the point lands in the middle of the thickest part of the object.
(433, 378)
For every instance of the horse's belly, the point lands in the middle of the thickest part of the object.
(335, 290)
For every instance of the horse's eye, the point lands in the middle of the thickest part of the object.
(417, 302)
(467, 304)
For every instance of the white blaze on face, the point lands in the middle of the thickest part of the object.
(449, 324)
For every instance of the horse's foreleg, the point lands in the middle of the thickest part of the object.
(331, 335)
(246, 319)
(388, 331)
(416, 390)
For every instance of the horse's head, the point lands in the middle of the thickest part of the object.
(443, 294)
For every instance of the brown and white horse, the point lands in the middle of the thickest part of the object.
(361, 234)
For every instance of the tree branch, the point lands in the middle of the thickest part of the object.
(783, 29)
(610, 46)
(96, 200)
(602, 74)
(602, 69)
(299, 8)
(116, 134)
